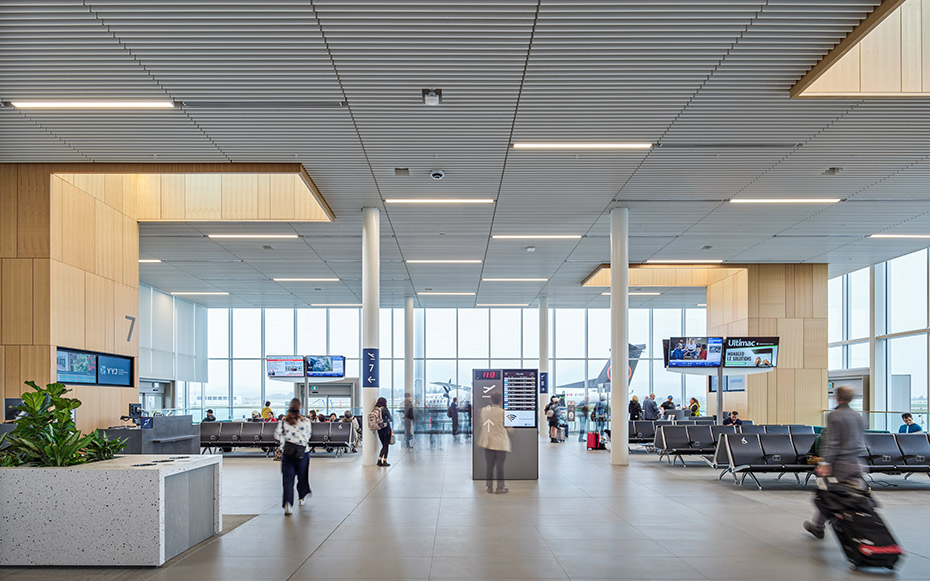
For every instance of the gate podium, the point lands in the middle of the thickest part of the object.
(519, 391)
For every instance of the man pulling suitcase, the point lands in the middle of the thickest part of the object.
(843, 497)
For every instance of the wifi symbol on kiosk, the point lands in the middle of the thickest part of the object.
(511, 417)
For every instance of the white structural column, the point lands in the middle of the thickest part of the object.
(371, 302)
(544, 361)
(619, 335)
(408, 349)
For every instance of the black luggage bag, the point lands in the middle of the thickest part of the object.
(863, 535)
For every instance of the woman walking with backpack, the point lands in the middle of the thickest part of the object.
(293, 435)
(379, 420)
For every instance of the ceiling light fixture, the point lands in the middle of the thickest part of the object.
(251, 236)
(636, 294)
(702, 304)
(442, 261)
(502, 305)
(305, 279)
(785, 200)
(900, 236)
(336, 305)
(149, 261)
(93, 104)
(685, 261)
(198, 293)
(439, 201)
(557, 145)
(515, 280)
(438, 294)
(536, 236)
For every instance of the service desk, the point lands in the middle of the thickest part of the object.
(130, 511)
(168, 435)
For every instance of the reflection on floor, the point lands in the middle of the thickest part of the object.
(425, 518)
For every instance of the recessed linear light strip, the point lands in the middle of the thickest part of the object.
(635, 294)
(336, 304)
(536, 236)
(442, 294)
(901, 236)
(515, 280)
(93, 104)
(785, 200)
(441, 261)
(685, 261)
(562, 145)
(251, 236)
(178, 294)
(305, 279)
(502, 305)
(439, 201)
(149, 261)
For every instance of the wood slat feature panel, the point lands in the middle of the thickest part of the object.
(886, 56)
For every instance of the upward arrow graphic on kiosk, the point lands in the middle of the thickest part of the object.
(488, 423)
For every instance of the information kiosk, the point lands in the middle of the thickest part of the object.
(517, 390)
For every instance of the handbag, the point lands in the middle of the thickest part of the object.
(392, 437)
(293, 451)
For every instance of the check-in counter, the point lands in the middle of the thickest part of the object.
(168, 435)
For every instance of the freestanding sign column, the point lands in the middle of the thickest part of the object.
(371, 302)
(619, 335)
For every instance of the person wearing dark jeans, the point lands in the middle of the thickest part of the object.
(294, 429)
(291, 470)
(495, 461)
(495, 439)
(384, 433)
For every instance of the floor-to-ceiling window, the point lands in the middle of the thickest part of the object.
(448, 345)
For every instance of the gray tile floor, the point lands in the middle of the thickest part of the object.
(425, 518)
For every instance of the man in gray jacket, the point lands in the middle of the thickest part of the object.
(651, 408)
(842, 451)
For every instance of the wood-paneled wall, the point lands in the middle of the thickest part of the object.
(69, 250)
(789, 301)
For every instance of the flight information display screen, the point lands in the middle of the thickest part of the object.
(325, 365)
(520, 393)
(284, 366)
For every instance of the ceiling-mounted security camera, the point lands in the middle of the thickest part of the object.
(437, 174)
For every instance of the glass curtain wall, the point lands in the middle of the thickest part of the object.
(893, 294)
(448, 345)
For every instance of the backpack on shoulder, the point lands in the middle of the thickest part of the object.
(375, 422)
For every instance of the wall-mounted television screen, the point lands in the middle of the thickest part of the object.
(750, 352)
(695, 351)
(325, 365)
(113, 370)
(730, 383)
(284, 366)
(76, 367)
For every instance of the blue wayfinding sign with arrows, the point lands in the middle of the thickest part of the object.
(371, 367)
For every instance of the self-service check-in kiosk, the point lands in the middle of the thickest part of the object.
(518, 394)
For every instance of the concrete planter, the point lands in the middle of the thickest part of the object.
(130, 511)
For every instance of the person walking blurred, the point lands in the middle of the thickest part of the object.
(293, 435)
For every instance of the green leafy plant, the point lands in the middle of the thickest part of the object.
(46, 435)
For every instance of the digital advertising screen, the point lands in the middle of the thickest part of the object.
(76, 367)
(284, 366)
(114, 371)
(750, 352)
(520, 398)
(325, 365)
(695, 351)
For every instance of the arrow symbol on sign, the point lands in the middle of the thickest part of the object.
(371, 379)
(487, 389)
(488, 423)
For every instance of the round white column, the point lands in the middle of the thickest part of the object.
(544, 361)
(371, 302)
(619, 335)
(408, 351)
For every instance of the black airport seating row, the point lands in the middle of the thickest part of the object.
(675, 442)
(768, 453)
(215, 435)
(330, 436)
(644, 431)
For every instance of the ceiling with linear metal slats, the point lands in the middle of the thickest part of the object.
(336, 86)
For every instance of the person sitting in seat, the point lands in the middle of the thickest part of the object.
(266, 411)
(349, 418)
(733, 419)
(209, 417)
(909, 427)
(256, 416)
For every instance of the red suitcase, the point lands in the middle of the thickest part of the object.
(594, 441)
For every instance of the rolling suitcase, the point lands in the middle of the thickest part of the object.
(861, 532)
(594, 441)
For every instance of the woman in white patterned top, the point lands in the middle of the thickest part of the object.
(295, 430)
